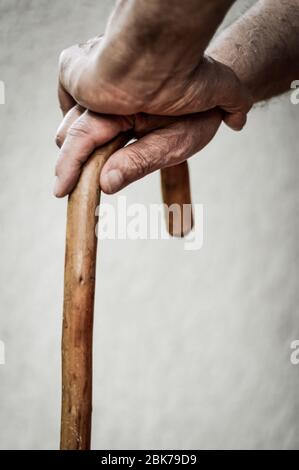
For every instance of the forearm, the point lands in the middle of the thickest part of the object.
(262, 47)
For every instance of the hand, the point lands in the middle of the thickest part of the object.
(145, 69)
(162, 142)
(108, 77)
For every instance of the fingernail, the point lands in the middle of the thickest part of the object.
(56, 187)
(112, 181)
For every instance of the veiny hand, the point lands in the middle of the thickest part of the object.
(162, 142)
(110, 78)
(144, 102)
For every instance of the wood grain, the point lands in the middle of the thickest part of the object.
(79, 289)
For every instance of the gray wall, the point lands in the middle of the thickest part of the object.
(192, 349)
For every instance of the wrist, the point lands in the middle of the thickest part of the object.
(231, 53)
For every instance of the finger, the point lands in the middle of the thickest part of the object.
(82, 131)
(213, 84)
(225, 91)
(161, 148)
(235, 121)
(75, 63)
(66, 102)
(82, 137)
(72, 61)
(72, 115)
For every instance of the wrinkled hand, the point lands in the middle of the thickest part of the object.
(162, 142)
(120, 80)
(173, 109)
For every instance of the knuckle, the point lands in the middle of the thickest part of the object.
(59, 139)
(138, 162)
(84, 95)
(78, 90)
(63, 59)
(80, 129)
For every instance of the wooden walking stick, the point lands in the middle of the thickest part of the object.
(79, 289)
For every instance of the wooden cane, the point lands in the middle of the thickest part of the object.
(79, 289)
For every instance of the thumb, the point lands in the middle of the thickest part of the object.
(160, 148)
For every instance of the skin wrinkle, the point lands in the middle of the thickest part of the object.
(165, 145)
(137, 162)
(262, 47)
(195, 89)
(158, 34)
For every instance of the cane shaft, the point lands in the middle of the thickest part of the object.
(79, 289)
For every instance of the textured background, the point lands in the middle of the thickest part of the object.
(192, 349)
